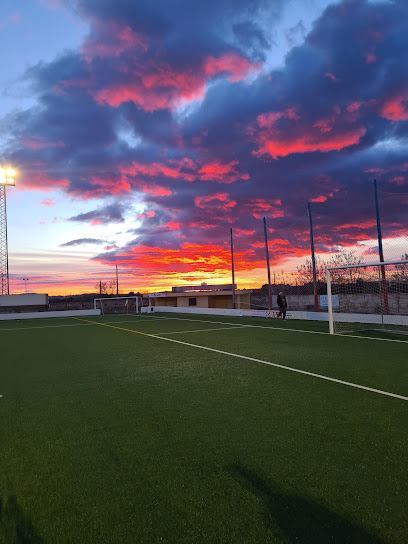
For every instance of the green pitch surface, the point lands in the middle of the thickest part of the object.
(125, 430)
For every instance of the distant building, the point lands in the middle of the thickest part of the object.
(193, 298)
(203, 287)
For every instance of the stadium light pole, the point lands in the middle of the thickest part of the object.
(7, 179)
(25, 280)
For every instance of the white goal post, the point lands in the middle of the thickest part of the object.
(118, 305)
(368, 296)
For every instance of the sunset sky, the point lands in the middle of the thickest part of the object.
(142, 131)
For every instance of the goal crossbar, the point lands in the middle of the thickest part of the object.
(365, 265)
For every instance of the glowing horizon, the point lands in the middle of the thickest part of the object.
(140, 144)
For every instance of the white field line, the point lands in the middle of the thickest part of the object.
(60, 326)
(203, 330)
(281, 329)
(127, 321)
(291, 369)
(44, 327)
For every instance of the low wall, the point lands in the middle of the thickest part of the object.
(221, 311)
(310, 316)
(26, 299)
(42, 315)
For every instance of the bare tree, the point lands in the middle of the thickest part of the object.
(106, 287)
(401, 270)
(346, 258)
(305, 270)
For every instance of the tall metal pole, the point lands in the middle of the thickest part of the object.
(117, 281)
(4, 269)
(7, 176)
(233, 273)
(267, 264)
(380, 252)
(316, 298)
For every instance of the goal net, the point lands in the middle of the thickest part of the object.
(368, 297)
(118, 305)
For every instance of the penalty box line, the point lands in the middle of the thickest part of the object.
(277, 328)
(291, 369)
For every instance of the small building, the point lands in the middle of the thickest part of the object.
(202, 297)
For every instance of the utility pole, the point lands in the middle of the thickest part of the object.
(233, 273)
(316, 298)
(117, 281)
(380, 252)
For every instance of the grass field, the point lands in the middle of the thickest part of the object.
(125, 430)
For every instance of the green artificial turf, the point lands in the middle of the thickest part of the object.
(111, 436)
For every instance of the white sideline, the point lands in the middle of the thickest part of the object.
(320, 376)
(279, 329)
(60, 326)
(44, 327)
(350, 384)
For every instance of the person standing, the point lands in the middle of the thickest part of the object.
(282, 305)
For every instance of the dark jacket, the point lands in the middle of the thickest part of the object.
(282, 301)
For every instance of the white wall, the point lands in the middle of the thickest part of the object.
(27, 299)
(35, 315)
(311, 316)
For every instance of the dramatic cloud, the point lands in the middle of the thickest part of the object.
(113, 213)
(86, 241)
(172, 105)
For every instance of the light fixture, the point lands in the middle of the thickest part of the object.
(7, 176)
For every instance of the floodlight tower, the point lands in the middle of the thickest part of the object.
(7, 176)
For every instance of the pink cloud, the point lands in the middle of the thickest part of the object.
(395, 108)
(15, 17)
(49, 202)
(39, 142)
(297, 137)
(370, 58)
(154, 85)
(217, 200)
(238, 67)
(221, 172)
(112, 40)
(332, 77)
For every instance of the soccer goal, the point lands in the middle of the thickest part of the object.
(118, 305)
(368, 296)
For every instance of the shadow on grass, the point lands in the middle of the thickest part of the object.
(15, 527)
(300, 519)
